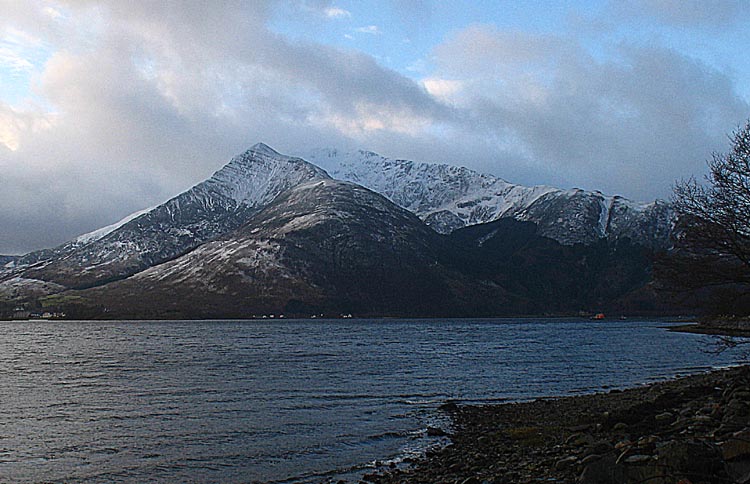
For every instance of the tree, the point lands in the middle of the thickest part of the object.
(712, 231)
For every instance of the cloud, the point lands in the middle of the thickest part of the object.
(335, 12)
(147, 99)
(136, 101)
(13, 60)
(444, 89)
(370, 29)
(648, 114)
(711, 14)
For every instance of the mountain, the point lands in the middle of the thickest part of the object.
(249, 182)
(332, 247)
(325, 246)
(269, 233)
(448, 197)
(555, 278)
(7, 259)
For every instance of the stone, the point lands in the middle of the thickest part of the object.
(566, 462)
(623, 444)
(664, 417)
(739, 471)
(471, 480)
(647, 440)
(579, 440)
(738, 445)
(590, 458)
(603, 471)
(600, 447)
(637, 459)
(691, 459)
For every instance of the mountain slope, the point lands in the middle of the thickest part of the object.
(610, 276)
(7, 259)
(322, 247)
(332, 247)
(249, 182)
(449, 197)
(274, 234)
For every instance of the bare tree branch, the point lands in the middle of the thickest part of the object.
(712, 230)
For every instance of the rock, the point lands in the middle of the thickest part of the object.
(620, 426)
(691, 459)
(600, 447)
(623, 455)
(623, 444)
(702, 419)
(739, 471)
(448, 407)
(579, 440)
(590, 458)
(664, 417)
(435, 432)
(566, 462)
(707, 410)
(738, 445)
(647, 440)
(637, 459)
(471, 480)
(603, 471)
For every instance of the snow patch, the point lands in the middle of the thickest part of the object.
(104, 231)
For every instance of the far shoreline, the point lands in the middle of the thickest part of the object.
(645, 318)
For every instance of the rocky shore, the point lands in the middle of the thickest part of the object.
(690, 430)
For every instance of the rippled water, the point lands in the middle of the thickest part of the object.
(245, 401)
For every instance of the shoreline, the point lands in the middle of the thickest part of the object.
(717, 330)
(693, 427)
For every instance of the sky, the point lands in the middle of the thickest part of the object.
(108, 107)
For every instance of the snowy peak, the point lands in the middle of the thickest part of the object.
(210, 209)
(258, 175)
(263, 149)
(449, 197)
(424, 188)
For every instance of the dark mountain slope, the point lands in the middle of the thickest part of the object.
(557, 278)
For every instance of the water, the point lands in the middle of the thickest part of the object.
(287, 401)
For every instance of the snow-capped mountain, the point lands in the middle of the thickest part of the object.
(279, 232)
(332, 247)
(322, 246)
(249, 182)
(448, 197)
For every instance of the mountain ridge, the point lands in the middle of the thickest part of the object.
(213, 207)
(448, 197)
(330, 247)
(210, 219)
